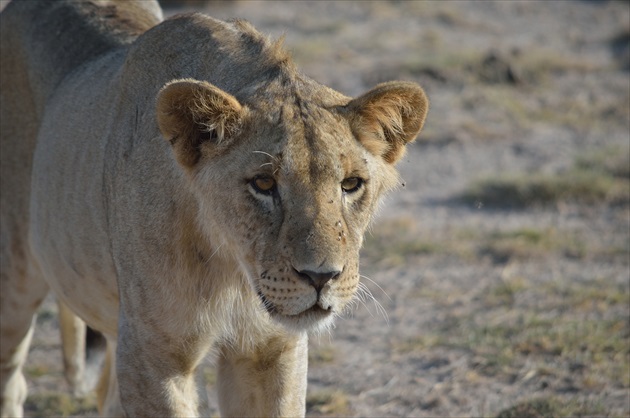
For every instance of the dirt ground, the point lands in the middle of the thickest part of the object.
(501, 268)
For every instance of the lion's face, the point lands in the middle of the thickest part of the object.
(289, 188)
(296, 210)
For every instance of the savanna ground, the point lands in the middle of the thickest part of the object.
(502, 266)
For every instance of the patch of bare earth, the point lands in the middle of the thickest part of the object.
(502, 266)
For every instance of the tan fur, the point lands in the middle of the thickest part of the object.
(73, 333)
(129, 168)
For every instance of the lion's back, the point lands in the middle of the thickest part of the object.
(45, 47)
(42, 42)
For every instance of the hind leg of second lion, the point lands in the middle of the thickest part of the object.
(20, 296)
(107, 390)
(73, 331)
(14, 388)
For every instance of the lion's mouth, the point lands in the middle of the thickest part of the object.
(315, 311)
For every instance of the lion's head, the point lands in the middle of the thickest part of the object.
(288, 174)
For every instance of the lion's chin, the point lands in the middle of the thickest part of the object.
(314, 318)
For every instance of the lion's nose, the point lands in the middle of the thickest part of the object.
(318, 279)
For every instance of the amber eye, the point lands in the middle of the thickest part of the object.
(351, 184)
(263, 184)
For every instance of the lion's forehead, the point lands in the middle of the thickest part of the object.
(310, 143)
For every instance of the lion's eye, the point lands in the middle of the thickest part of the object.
(351, 184)
(263, 184)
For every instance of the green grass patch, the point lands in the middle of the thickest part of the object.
(328, 402)
(552, 407)
(600, 177)
(504, 293)
(613, 161)
(440, 61)
(54, 404)
(394, 242)
(321, 355)
(528, 243)
(554, 326)
(524, 191)
(538, 64)
(38, 370)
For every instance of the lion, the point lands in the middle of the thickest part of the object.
(182, 188)
(82, 351)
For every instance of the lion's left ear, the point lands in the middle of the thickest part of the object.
(195, 115)
(388, 117)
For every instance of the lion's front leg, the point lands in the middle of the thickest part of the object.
(269, 380)
(156, 372)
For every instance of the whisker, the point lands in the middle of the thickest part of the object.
(368, 296)
(382, 310)
(363, 296)
(214, 253)
(377, 285)
(379, 307)
(265, 153)
(354, 302)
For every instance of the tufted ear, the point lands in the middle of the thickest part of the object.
(388, 117)
(192, 114)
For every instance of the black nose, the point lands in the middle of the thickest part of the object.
(316, 279)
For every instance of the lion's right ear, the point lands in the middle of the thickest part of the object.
(193, 114)
(388, 117)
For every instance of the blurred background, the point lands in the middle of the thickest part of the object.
(501, 270)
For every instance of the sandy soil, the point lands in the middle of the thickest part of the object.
(475, 322)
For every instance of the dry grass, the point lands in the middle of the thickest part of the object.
(328, 402)
(558, 330)
(570, 335)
